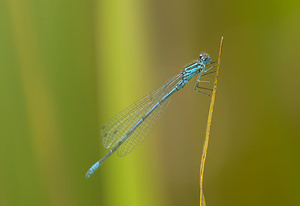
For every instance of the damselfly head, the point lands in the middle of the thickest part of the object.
(204, 58)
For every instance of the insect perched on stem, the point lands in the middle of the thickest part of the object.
(128, 129)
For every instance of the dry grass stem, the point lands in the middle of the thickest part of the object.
(208, 127)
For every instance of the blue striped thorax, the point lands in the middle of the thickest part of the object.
(190, 71)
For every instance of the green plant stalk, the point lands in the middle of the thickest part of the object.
(208, 127)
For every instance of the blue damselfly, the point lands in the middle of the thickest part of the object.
(128, 129)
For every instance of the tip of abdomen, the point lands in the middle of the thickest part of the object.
(92, 170)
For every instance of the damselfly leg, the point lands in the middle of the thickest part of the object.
(201, 88)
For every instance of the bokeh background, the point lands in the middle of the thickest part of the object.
(66, 67)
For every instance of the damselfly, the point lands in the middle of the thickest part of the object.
(128, 129)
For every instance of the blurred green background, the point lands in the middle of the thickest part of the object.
(68, 66)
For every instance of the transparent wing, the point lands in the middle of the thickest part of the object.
(139, 135)
(113, 130)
